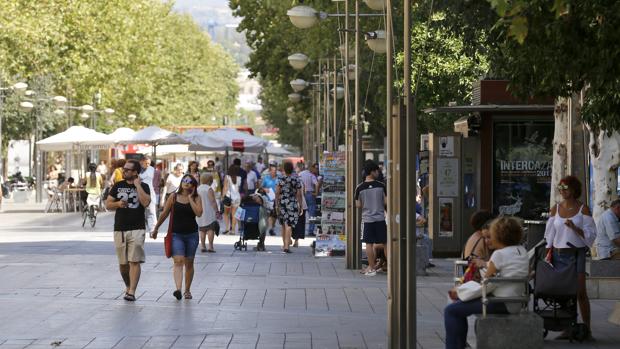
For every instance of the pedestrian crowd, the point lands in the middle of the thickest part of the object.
(194, 202)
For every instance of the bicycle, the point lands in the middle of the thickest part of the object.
(91, 210)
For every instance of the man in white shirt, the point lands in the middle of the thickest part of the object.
(260, 166)
(173, 181)
(146, 176)
(608, 232)
(251, 178)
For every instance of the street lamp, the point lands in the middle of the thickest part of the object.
(131, 117)
(338, 92)
(303, 17)
(294, 97)
(377, 5)
(376, 41)
(298, 61)
(299, 85)
(18, 87)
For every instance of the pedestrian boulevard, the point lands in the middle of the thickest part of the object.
(60, 288)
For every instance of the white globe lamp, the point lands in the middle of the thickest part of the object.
(303, 17)
(376, 41)
(298, 61)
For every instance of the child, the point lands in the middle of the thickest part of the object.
(509, 259)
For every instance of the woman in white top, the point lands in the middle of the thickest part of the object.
(569, 233)
(207, 223)
(232, 197)
(508, 260)
(173, 181)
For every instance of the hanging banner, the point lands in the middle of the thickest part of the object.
(331, 239)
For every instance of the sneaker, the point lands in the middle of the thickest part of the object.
(370, 273)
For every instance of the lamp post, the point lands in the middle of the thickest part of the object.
(17, 87)
(305, 17)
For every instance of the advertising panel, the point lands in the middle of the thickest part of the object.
(523, 154)
(331, 241)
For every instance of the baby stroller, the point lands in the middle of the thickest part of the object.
(248, 223)
(555, 297)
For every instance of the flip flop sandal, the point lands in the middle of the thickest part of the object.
(129, 297)
(177, 294)
(210, 251)
(188, 295)
(203, 250)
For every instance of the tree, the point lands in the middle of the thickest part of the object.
(444, 67)
(568, 48)
(144, 58)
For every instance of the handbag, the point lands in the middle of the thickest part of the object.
(553, 281)
(472, 290)
(168, 238)
(226, 201)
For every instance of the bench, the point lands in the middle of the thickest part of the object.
(604, 279)
(507, 331)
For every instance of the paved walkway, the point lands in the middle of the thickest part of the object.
(59, 287)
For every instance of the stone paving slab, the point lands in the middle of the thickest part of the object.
(59, 283)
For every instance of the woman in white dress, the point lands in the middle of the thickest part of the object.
(232, 197)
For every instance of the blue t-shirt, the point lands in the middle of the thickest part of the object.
(269, 182)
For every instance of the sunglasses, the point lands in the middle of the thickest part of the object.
(562, 187)
(125, 169)
(187, 180)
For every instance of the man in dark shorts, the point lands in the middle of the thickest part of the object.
(129, 198)
(370, 196)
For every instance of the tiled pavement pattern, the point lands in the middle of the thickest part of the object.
(60, 288)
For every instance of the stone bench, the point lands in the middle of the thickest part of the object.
(604, 280)
(513, 331)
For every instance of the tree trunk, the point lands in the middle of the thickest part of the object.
(560, 155)
(605, 159)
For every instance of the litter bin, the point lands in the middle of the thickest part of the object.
(534, 232)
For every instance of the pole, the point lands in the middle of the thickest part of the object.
(346, 66)
(393, 192)
(2, 157)
(410, 182)
(357, 247)
(327, 107)
(37, 166)
(335, 113)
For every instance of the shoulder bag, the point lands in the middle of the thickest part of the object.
(168, 238)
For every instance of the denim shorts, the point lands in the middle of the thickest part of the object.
(184, 244)
(566, 257)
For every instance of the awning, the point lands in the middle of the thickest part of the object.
(502, 108)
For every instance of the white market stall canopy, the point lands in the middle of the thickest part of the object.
(75, 137)
(155, 136)
(122, 134)
(226, 139)
(278, 151)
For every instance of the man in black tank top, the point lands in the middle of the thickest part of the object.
(128, 198)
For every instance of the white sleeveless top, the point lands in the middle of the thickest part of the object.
(559, 235)
(233, 188)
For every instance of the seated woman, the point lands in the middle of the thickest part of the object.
(508, 260)
(475, 247)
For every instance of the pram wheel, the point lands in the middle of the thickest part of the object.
(545, 333)
(245, 246)
(236, 246)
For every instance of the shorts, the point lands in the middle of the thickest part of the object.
(215, 226)
(129, 246)
(184, 245)
(568, 256)
(374, 232)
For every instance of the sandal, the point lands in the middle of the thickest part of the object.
(203, 250)
(177, 294)
(210, 250)
(129, 297)
(187, 295)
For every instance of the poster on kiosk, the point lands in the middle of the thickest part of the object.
(331, 240)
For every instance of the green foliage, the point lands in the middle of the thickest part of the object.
(568, 45)
(443, 69)
(144, 58)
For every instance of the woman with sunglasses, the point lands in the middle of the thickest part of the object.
(187, 206)
(570, 231)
